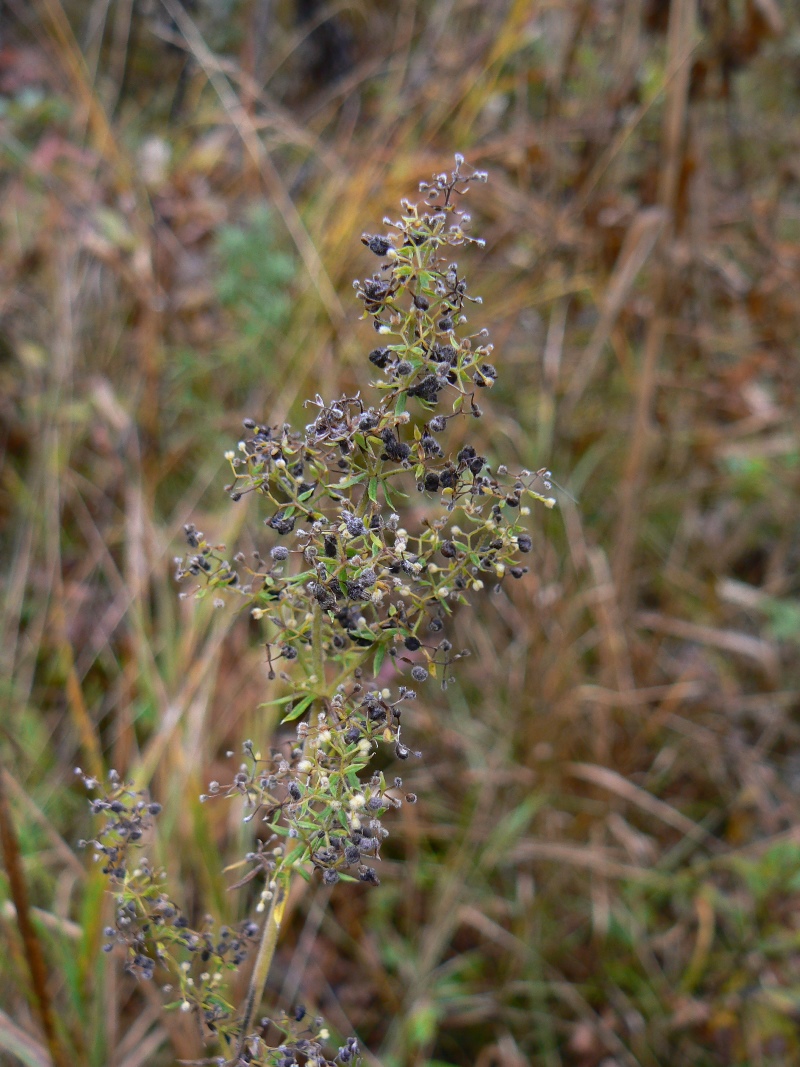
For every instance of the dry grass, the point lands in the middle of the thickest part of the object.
(604, 866)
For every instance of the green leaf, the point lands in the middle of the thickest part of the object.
(372, 490)
(352, 480)
(276, 702)
(380, 656)
(400, 406)
(298, 709)
(389, 500)
(422, 1023)
(297, 855)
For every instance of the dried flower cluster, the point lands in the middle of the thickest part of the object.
(344, 591)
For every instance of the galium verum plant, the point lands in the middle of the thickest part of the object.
(354, 608)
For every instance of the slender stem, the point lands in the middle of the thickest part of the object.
(266, 952)
(317, 651)
(30, 941)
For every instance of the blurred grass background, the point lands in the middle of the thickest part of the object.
(604, 867)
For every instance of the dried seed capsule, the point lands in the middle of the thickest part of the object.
(377, 244)
(380, 357)
(281, 524)
(428, 389)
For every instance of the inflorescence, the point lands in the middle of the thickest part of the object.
(353, 605)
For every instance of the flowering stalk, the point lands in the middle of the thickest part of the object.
(354, 608)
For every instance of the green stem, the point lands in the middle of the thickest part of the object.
(317, 651)
(266, 952)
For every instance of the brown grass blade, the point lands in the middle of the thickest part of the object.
(32, 948)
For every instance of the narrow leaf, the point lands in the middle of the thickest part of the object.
(298, 709)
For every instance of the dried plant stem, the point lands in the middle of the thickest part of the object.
(266, 952)
(30, 941)
(272, 922)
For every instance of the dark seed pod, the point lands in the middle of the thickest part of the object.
(281, 524)
(380, 357)
(377, 244)
(368, 874)
(431, 447)
(427, 389)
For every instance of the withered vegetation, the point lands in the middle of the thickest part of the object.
(603, 863)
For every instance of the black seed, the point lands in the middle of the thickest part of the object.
(379, 245)
(380, 357)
